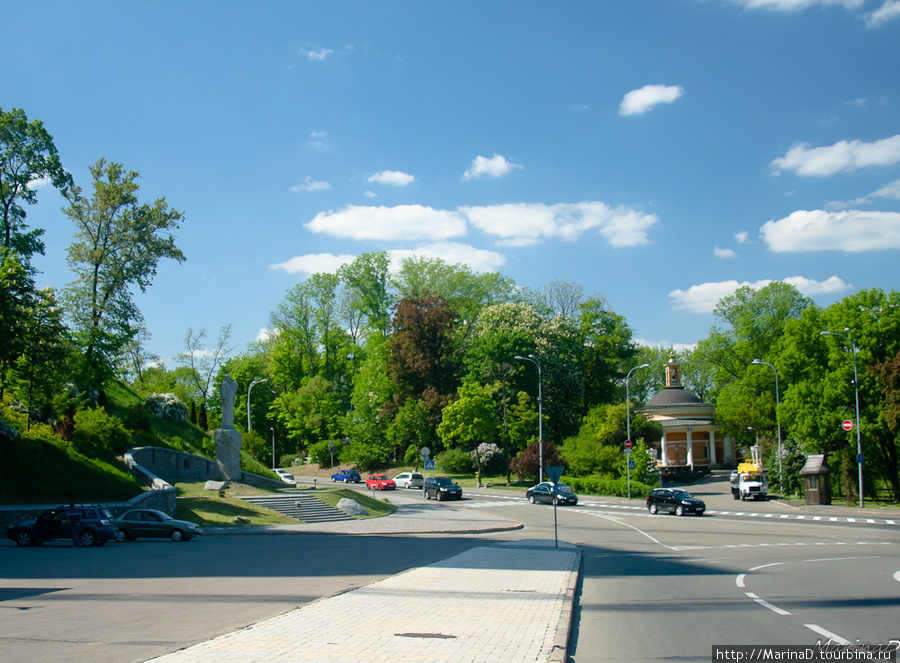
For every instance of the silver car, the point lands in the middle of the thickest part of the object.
(409, 480)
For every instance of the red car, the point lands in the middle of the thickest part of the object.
(380, 482)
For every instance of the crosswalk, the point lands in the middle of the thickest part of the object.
(489, 502)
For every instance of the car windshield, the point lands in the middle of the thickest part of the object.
(563, 488)
(443, 481)
(682, 494)
(381, 477)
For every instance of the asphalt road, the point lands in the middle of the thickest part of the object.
(653, 587)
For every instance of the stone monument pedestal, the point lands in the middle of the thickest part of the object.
(228, 452)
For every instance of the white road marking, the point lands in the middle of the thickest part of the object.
(828, 634)
(766, 604)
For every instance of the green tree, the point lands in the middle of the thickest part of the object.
(118, 245)
(470, 420)
(27, 156)
(817, 380)
(39, 371)
(606, 351)
(411, 429)
(200, 364)
(366, 282)
(16, 295)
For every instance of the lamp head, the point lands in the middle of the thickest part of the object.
(756, 361)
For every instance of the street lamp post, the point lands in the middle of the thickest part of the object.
(777, 421)
(757, 433)
(273, 447)
(534, 360)
(248, 401)
(628, 422)
(859, 457)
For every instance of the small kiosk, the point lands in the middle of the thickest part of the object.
(816, 480)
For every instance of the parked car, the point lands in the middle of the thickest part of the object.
(94, 526)
(674, 500)
(346, 476)
(441, 488)
(409, 480)
(286, 476)
(549, 493)
(380, 482)
(156, 524)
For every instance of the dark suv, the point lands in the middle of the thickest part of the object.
(674, 500)
(441, 488)
(94, 525)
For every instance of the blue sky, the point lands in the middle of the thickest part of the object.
(660, 152)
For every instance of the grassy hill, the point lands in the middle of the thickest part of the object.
(40, 467)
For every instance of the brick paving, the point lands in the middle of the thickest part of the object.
(507, 602)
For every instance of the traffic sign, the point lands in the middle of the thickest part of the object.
(847, 424)
(631, 464)
(554, 472)
(628, 444)
(860, 458)
(429, 464)
(627, 451)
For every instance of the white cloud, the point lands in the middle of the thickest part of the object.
(39, 183)
(522, 224)
(741, 236)
(391, 178)
(496, 166)
(403, 222)
(724, 253)
(317, 54)
(704, 297)
(479, 260)
(795, 5)
(314, 263)
(817, 230)
(640, 101)
(265, 335)
(889, 10)
(309, 184)
(891, 190)
(842, 156)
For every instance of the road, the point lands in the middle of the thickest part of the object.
(653, 587)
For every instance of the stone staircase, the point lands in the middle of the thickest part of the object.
(300, 504)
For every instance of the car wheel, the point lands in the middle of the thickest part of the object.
(679, 510)
(120, 536)
(437, 496)
(176, 535)
(24, 538)
(87, 538)
(653, 508)
(555, 501)
(531, 499)
(346, 480)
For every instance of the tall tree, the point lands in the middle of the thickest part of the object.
(27, 157)
(423, 361)
(606, 349)
(118, 245)
(820, 391)
(202, 364)
(366, 279)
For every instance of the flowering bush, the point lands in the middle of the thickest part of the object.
(167, 406)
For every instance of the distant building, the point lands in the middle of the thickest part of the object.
(691, 439)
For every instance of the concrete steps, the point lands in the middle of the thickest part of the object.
(301, 505)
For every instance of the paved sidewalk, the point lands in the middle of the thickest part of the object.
(507, 602)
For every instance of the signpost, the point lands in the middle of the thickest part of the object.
(554, 472)
(847, 425)
(629, 467)
(425, 456)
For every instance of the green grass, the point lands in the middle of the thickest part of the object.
(208, 509)
(376, 508)
(40, 471)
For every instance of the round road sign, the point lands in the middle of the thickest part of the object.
(847, 424)
(628, 444)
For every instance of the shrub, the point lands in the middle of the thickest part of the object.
(167, 406)
(98, 432)
(594, 485)
(455, 461)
